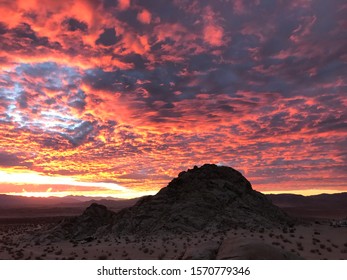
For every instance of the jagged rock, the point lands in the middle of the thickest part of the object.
(95, 218)
(209, 197)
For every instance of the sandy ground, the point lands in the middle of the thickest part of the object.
(315, 240)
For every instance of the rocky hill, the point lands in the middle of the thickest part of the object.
(209, 197)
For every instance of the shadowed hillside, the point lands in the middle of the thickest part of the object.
(214, 197)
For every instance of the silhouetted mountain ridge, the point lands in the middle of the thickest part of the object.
(209, 197)
(13, 201)
(328, 206)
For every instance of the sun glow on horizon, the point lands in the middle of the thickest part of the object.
(27, 178)
(124, 195)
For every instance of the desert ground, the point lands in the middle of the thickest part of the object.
(210, 212)
(309, 239)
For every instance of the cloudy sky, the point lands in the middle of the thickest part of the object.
(118, 96)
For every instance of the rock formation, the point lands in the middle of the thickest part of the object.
(207, 197)
(94, 219)
(210, 197)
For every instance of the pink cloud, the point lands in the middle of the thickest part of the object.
(144, 16)
(213, 35)
(123, 4)
(213, 32)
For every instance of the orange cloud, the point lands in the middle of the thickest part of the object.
(123, 4)
(133, 93)
(213, 33)
(144, 16)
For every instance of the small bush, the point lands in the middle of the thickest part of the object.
(59, 252)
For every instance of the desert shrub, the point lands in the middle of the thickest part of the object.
(300, 246)
(59, 252)
(161, 256)
(315, 240)
(125, 254)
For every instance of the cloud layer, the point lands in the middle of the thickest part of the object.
(133, 92)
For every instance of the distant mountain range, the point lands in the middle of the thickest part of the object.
(323, 205)
(320, 206)
(21, 208)
(11, 201)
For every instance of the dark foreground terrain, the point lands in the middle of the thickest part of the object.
(205, 213)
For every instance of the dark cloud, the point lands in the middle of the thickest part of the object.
(73, 24)
(23, 100)
(81, 134)
(11, 160)
(107, 38)
(3, 28)
(77, 100)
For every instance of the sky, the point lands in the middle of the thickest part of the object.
(116, 97)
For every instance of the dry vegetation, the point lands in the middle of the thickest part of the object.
(310, 241)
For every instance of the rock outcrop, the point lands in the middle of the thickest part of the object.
(210, 197)
(207, 197)
(94, 219)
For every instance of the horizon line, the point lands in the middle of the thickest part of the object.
(306, 193)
